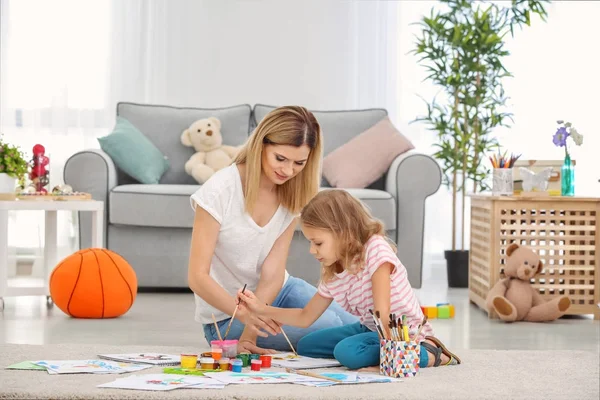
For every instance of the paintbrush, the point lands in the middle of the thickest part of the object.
(288, 340)
(311, 374)
(379, 330)
(217, 327)
(421, 327)
(378, 315)
(233, 316)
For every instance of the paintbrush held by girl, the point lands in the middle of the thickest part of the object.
(361, 272)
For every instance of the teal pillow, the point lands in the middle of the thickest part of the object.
(134, 153)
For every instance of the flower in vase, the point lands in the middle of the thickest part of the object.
(563, 133)
(577, 137)
(560, 137)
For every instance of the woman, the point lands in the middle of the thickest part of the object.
(245, 217)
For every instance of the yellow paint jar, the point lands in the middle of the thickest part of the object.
(207, 363)
(189, 361)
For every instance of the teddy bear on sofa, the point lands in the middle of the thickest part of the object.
(514, 299)
(204, 135)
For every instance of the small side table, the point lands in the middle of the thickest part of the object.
(564, 231)
(50, 254)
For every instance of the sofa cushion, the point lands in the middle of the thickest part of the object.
(168, 206)
(365, 158)
(134, 153)
(163, 125)
(152, 205)
(338, 127)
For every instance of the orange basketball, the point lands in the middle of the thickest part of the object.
(93, 283)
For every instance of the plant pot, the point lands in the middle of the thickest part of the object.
(8, 184)
(457, 265)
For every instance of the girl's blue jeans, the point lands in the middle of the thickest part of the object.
(354, 346)
(296, 293)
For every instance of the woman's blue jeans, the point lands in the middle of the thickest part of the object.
(296, 293)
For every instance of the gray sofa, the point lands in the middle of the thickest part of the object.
(150, 225)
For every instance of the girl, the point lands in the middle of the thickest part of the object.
(360, 270)
(245, 216)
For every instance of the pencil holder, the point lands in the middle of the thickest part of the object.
(399, 359)
(502, 182)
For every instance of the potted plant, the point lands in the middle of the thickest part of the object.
(13, 167)
(462, 47)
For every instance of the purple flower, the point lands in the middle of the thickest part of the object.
(560, 137)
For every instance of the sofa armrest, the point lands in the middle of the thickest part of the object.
(91, 171)
(412, 177)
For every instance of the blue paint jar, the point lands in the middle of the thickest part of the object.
(236, 365)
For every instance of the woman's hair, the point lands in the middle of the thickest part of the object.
(292, 126)
(351, 224)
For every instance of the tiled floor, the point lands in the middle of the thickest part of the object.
(168, 319)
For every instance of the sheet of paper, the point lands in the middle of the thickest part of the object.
(360, 379)
(290, 360)
(89, 366)
(257, 377)
(26, 365)
(162, 382)
(144, 358)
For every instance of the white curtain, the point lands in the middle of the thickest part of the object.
(66, 63)
(555, 66)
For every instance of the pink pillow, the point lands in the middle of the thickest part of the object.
(365, 158)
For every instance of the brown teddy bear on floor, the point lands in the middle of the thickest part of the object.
(514, 299)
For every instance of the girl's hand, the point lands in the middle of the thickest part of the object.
(251, 302)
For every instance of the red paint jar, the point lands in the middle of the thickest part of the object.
(255, 365)
(266, 361)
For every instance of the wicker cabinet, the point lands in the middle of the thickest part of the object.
(562, 230)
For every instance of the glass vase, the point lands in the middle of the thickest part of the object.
(567, 177)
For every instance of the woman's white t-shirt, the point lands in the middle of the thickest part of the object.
(242, 245)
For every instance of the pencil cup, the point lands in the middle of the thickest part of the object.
(399, 359)
(502, 182)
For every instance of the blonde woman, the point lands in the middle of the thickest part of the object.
(245, 217)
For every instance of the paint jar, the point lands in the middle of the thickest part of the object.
(189, 361)
(255, 365)
(245, 358)
(236, 366)
(217, 353)
(216, 344)
(207, 363)
(224, 364)
(266, 361)
(229, 348)
(254, 356)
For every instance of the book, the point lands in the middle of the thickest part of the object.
(144, 358)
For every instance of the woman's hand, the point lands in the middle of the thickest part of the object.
(251, 302)
(257, 324)
(249, 346)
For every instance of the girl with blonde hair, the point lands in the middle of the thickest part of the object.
(360, 270)
(245, 217)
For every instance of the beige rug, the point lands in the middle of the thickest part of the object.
(484, 374)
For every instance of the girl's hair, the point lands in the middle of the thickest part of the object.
(292, 126)
(351, 224)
